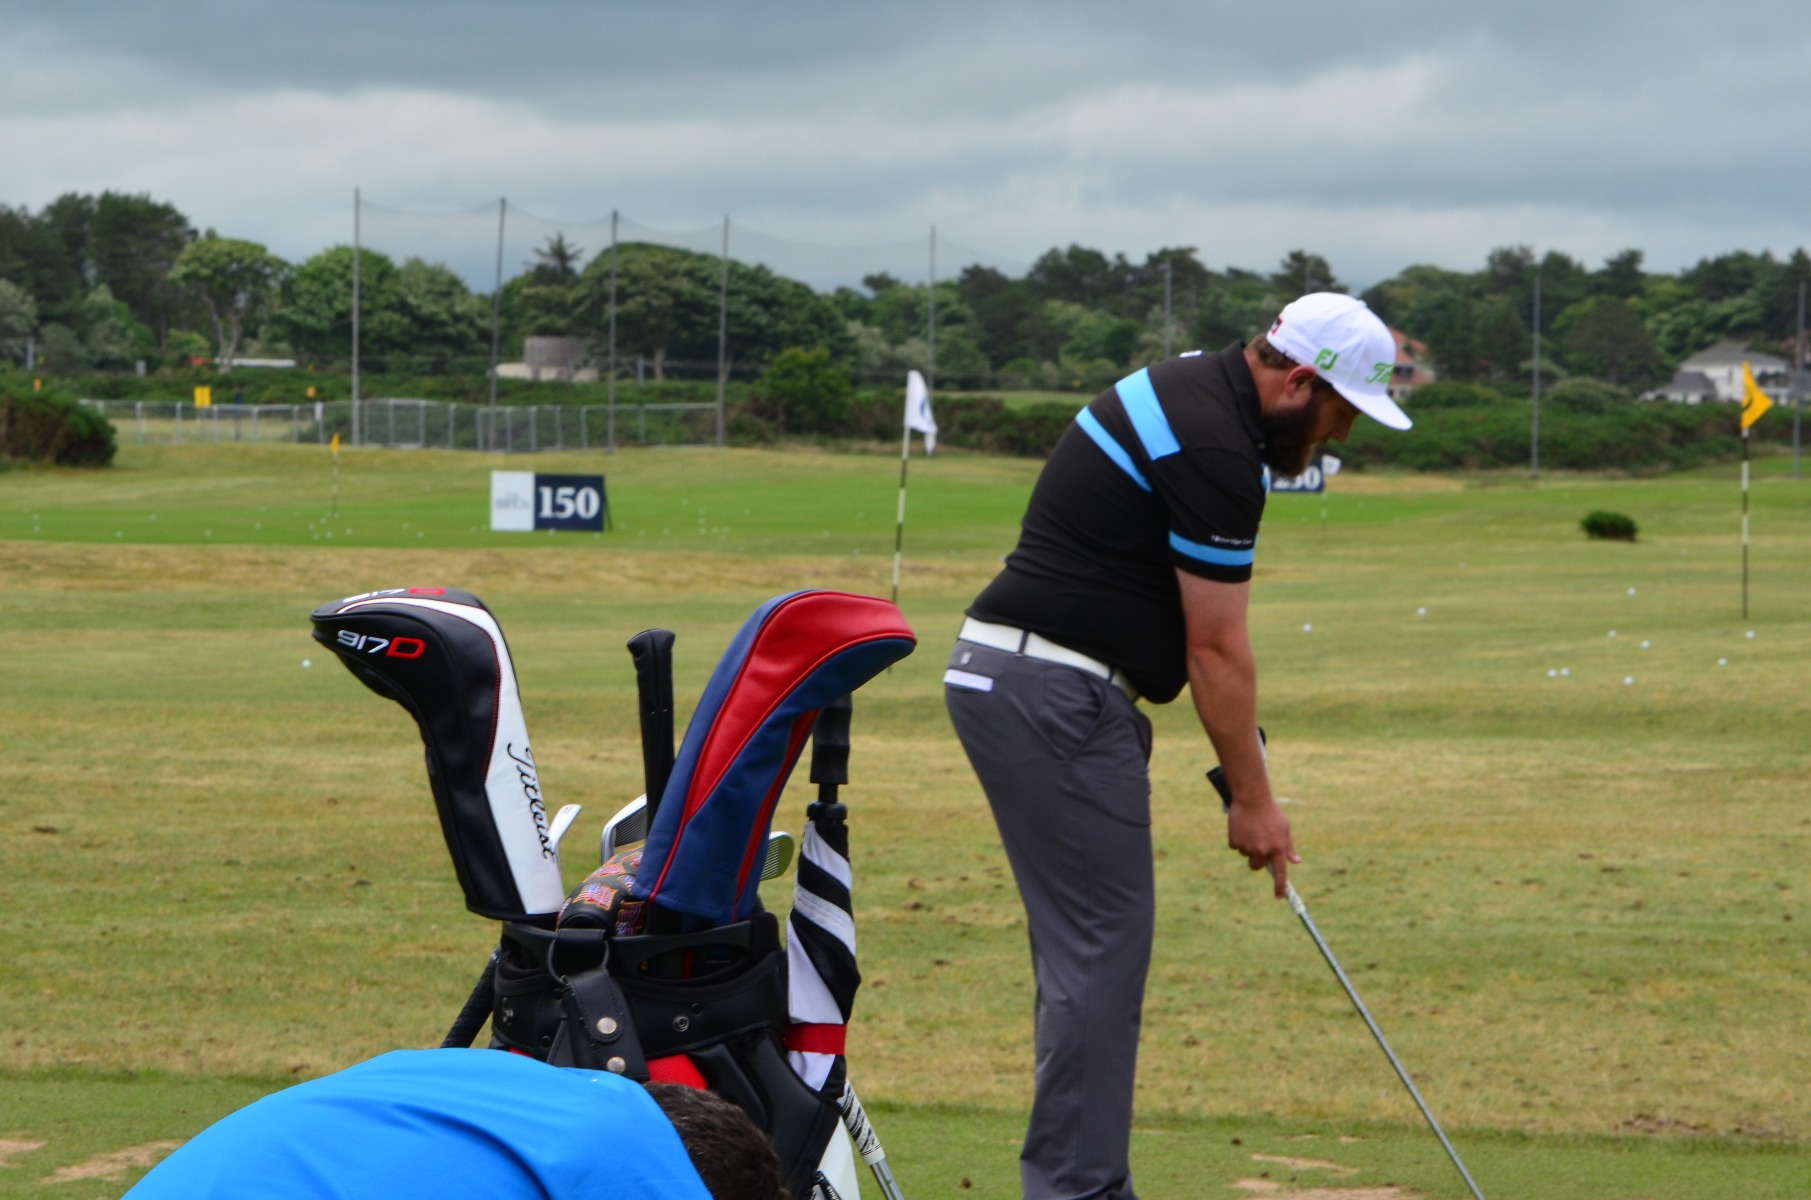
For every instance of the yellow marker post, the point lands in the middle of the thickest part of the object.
(1755, 404)
(37, 385)
(204, 397)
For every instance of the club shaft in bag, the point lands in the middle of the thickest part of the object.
(1301, 910)
(867, 1142)
(477, 1010)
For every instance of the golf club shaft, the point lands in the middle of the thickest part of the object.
(477, 1009)
(867, 1142)
(1301, 910)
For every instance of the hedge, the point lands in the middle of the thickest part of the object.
(50, 428)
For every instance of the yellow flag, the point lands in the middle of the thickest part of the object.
(1755, 402)
(204, 397)
(336, 443)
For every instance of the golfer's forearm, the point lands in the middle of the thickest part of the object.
(1223, 680)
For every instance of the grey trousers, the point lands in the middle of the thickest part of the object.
(1063, 757)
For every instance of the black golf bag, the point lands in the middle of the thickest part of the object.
(663, 964)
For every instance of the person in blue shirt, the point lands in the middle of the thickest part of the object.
(447, 1124)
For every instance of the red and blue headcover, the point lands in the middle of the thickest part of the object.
(796, 653)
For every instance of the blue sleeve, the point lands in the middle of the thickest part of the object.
(1215, 504)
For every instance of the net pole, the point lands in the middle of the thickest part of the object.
(357, 253)
(723, 331)
(610, 395)
(496, 301)
(1167, 280)
(930, 374)
(1797, 379)
(1534, 434)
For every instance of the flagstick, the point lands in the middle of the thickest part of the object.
(1744, 523)
(336, 476)
(905, 456)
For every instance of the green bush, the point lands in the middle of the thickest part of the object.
(1612, 526)
(1452, 394)
(804, 391)
(1589, 426)
(1582, 394)
(50, 428)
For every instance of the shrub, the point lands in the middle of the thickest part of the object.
(1613, 526)
(1447, 393)
(49, 428)
(1582, 394)
(806, 391)
(1621, 436)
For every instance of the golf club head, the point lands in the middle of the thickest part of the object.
(781, 847)
(562, 821)
(440, 654)
(629, 825)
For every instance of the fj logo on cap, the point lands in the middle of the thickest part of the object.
(1380, 373)
(1325, 359)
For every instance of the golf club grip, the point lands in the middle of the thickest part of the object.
(477, 1010)
(652, 650)
(830, 742)
(1217, 776)
(867, 1142)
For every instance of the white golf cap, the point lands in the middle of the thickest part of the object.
(1348, 346)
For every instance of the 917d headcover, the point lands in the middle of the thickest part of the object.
(440, 654)
(796, 653)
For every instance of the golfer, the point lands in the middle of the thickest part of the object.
(478, 1124)
(1132, 577)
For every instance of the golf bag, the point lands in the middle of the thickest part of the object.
(663, 965)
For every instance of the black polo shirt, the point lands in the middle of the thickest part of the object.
(1161, 471)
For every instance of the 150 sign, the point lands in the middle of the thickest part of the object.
(523, 501)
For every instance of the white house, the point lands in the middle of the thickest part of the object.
(1689, 387)
(1722, 365)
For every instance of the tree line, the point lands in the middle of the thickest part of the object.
(97, 283)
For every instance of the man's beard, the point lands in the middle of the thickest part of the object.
(1288, 441)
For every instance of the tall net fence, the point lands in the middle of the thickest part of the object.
(406, 424)
(617, 301)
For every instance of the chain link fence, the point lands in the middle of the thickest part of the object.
(405, 424)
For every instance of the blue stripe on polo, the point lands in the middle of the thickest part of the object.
(1093, 428)
(1210, 554)
(1140, 401)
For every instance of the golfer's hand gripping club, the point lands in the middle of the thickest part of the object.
(1259, 832)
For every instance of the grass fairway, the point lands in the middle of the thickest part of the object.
(1575, 904)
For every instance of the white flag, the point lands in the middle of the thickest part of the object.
(918, 410)
(1329, 465)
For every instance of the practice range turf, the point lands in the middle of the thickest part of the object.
(1565, 869)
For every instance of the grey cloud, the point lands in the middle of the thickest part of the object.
(1125, 126)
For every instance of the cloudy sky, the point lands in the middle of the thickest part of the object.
(1377, 134)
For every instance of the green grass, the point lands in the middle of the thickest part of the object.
(745, 502)
(1575, 905)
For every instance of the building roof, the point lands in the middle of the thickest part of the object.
(1732, 353)
(1689, 383)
